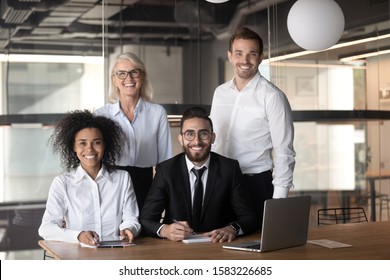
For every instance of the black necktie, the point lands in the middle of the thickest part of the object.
(198, 198)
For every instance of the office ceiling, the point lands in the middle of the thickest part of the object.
(76, 26)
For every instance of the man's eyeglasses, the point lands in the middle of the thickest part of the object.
(135, 73)
(190, 135)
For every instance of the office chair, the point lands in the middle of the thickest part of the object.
(342, 215)
(384, 202)
(382, 199)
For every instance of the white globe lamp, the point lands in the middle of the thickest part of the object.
(217, 1)
(315, 25)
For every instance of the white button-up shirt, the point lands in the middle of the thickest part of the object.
(192, 176)
(253, 123)
(105, 205)
(148, 137)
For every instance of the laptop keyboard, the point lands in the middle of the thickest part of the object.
(253, 246)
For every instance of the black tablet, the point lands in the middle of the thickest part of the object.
(114, 244)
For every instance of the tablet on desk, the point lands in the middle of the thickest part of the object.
(114, 244)
(109, 242)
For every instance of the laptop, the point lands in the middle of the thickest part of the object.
(285, 224)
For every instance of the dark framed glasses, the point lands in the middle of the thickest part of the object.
(190, 135)
(135, 73)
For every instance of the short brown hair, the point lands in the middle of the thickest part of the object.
(248, 34)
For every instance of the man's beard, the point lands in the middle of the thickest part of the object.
(245, 74)
(198, 157)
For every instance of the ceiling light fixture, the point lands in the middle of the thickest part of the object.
(51, 58)
(315, 25)
(364, 55)
(337, 46)
(217, 1)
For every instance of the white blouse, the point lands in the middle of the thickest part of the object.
(148, 136)
(105, 205)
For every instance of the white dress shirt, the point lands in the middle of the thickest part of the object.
(192, 176)
(148, 135)
(106, 205)
(255, 126)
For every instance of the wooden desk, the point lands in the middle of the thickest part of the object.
(371, 177)
(369, 240)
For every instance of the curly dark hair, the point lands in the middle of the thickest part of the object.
(64, 134)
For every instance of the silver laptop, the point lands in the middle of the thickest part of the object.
(285, 224)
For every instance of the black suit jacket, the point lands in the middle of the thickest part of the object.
(225, 199)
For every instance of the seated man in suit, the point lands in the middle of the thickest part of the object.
(223, 207)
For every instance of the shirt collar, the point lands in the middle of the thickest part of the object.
(140, 105)
(190, 165)
(249, 85)
(81, 174)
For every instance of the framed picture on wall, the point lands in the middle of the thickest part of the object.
(384, 93)
(306, 86)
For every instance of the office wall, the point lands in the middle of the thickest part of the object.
(165, 70)
(27, 164)
(378, 133)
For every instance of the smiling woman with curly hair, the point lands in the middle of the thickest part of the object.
(89, 200)
(63, 137)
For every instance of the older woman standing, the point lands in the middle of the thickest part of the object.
(146, 127)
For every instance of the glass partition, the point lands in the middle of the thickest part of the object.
(56, 57)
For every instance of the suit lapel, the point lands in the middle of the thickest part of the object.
(211, 181)
(184, 182)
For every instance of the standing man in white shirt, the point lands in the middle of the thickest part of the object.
(253, 123)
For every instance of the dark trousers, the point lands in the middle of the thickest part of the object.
(260, 188)
(142, 180)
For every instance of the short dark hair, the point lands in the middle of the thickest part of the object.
(195, 112)
(63, 137)
(248, 34)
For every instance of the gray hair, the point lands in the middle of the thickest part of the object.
(146, 91)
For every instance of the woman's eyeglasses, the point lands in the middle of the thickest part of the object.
(135, 73)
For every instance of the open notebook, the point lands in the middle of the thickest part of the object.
(285, 224)
(196, 238)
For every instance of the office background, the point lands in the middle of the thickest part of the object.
(55, 57)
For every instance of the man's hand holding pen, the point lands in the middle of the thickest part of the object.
(177, 231)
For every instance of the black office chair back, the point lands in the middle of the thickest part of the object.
(342, 215)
